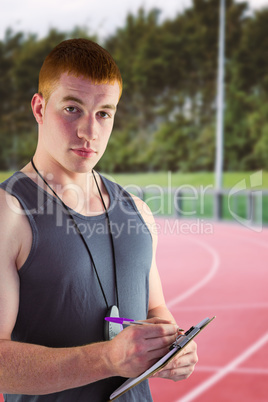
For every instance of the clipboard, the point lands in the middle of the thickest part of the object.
(175, 348)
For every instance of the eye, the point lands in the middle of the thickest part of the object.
(104, 115)
(71, 109)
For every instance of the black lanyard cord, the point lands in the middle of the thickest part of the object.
(82, 237)
(111, 237)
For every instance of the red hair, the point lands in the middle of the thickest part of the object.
(78, 57)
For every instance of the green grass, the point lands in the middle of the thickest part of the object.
(4, 176)
(165, 179)
(199, 203)
(169, 179)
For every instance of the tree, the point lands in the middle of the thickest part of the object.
(166, 118)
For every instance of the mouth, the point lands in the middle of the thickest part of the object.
(84, 152)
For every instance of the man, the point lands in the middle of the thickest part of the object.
(75, 248)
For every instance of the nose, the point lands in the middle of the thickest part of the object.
(87, 128)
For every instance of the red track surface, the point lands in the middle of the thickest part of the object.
(224, 273)
(212, 269)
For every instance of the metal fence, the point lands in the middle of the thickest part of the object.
(244, 206)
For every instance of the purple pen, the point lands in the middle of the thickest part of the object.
(125, 321)
(129, 321)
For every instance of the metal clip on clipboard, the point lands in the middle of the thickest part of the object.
(183, 339)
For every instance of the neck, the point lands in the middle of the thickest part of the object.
(77, 190)
(58, 176)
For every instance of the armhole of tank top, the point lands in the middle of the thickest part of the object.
(138, 212)
(122, 195)
(34, 234)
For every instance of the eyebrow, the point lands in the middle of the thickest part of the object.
(109, 106)
(74, 99)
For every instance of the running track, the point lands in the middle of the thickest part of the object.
(221, 269)
(224, 274)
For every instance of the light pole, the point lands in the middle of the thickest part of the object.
(220, 114)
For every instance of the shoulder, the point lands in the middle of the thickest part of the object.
(139, 205)
(10, 246)
(10, 208)
(14, 228)
(147, 216)
(12, 191)
(10, 213)
(143, 209)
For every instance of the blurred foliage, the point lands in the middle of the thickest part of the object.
(166, 117)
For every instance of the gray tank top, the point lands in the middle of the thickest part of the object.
(61, 303)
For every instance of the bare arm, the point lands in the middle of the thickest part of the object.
(157, 304)
(182, 366)
(36, 370)
(25, 368)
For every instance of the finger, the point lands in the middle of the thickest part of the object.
(175, 374)
(182, 361)
(158, 320)
(158, 353)
(180, 369)
(190, 348)
(159, 330)
(143, 343)
(160, 343)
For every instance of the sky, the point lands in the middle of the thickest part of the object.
(98, 16)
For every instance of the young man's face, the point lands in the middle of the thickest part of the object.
(77, 122)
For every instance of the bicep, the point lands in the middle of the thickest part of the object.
(156, 297)
(9, 299)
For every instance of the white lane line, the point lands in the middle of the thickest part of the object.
(224, 371)
(202, 282)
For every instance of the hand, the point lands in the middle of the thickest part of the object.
(138, 347)
(182, 366)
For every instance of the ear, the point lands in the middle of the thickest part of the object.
(38, 107)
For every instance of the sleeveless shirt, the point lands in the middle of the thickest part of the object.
(61, 303)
